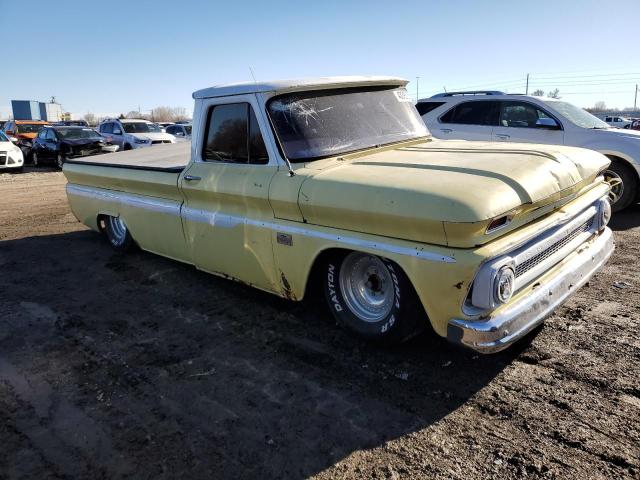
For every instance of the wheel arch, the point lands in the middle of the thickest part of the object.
(313, 280)
(628, 162)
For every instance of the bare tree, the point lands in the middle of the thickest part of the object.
(168, 114)
(91, 119)
(538, 93)
(554, 94)
(600, 106)
(134, 114)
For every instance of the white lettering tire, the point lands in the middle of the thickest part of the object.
(372, 296)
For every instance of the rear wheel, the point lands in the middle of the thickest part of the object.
(117, 233)
(35, 161)
(372, 296)
(59, 161)
(623, 184)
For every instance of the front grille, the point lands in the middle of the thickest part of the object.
(3, 158)
(527, 265)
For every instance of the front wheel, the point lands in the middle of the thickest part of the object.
(623, 185)
(35, 161)
(117, 233)
(372, 296)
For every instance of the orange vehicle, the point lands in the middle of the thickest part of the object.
(24, 131)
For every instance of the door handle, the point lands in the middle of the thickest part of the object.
(192, 178)
(446, 130)
(502, 136)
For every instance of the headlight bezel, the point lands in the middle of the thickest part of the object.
(505, 276)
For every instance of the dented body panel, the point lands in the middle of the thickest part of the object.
(424, 204)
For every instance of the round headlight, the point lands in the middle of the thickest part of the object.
(504, 284)
(605, 212)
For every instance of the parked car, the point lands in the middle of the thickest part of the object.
(618, 122)
(164, 125)
(495, 116)
(24, 131)
(11, 157)
(132, 133)
(73, 123)
(56, 144)
(334, 186)
(180, 130)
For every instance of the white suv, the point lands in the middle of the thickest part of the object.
(618, 122)
(130, 133)
(495, 116)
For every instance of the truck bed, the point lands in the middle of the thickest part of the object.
(161, 158)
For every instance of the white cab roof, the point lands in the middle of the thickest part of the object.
(297, 85)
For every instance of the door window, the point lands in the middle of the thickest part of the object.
(106, 128)
(480, 112)
(50, 135)
(520, 115)
(233, 135)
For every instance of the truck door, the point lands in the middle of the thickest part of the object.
(227, 217)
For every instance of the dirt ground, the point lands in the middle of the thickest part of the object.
(140, 367)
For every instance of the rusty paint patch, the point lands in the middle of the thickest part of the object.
(459, 285)
(286, 288)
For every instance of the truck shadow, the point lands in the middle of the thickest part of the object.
(626, 219)
(174, 371)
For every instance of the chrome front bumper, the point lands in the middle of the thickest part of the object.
(515, 320)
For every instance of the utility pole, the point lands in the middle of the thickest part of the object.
(635, 98)
(527, 92)
(417, 84)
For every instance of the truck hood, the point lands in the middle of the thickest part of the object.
(414, 191)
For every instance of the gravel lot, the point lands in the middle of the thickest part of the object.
(136, 366)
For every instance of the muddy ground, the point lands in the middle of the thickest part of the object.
(140, 367)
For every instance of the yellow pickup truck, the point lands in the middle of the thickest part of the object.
(335, 185)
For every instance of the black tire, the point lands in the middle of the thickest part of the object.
(34, 159)
(621, 171)
(117, 233)
(59, 161)
(127, 147)
(402, 319)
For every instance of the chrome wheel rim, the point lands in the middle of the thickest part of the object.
(117, 230)
(366, 286)
(616, 185)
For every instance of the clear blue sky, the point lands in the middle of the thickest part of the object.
(110, 57)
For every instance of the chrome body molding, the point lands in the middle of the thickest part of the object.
(229, 221)
(222, 220)
(515, 320)
(139, 201)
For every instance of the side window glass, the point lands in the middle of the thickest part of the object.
(479, 112)
(170, 129)
(520, 115)
(50, 135)
(226, 137)
(107, 128)
(426, 107)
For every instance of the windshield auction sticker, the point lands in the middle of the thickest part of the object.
(402, 95)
